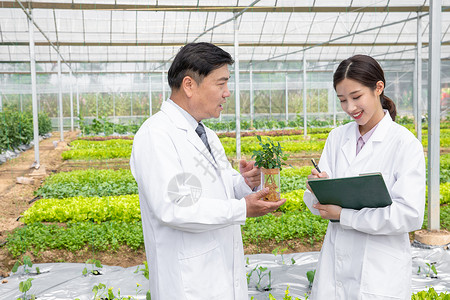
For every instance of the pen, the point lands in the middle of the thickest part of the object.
(315, 166)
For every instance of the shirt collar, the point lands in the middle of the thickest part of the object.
(188, 117)
(368, 134)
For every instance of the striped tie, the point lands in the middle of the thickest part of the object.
(202, 134)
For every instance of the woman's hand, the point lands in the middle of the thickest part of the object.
(315, 174)
(329, 211)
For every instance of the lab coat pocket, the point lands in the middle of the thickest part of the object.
(204, 274)
(385, 272)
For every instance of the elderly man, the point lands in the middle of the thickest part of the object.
(192, 201)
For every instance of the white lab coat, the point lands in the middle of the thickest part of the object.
(194, 248)
(367, 254)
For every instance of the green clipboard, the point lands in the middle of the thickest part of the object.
(365, 190)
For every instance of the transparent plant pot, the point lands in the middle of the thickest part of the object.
(271, 178)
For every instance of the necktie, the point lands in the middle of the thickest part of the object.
(202, 134)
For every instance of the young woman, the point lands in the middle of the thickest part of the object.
(366, 255)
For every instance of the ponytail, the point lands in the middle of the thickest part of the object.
(388, 104)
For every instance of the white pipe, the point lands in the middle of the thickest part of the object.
(150, 93)
(237, 90)
(419, 78)
(61, 125)
(252, 108)
(287, 99)
(34, 92)
(71, 101)
(434, 96)
(304, 97)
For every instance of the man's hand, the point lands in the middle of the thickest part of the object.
(329, 211)
(250, 172)
(256, 206)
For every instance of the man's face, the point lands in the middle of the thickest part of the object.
(210, 95)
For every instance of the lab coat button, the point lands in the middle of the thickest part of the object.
(339, 284)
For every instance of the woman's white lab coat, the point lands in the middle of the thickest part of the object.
(191, 212)
(367, 254)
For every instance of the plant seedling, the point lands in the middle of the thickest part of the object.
(145, 271)
(430, 270)
(277, 251)
(27, 266)
(270, 156)
(261, 273)
(24, 287)
(310, 275)
(93, 271)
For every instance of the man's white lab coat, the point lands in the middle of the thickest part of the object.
(191, 208)
(367, 255)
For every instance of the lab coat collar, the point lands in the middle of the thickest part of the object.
(182, 123)
(349, 147)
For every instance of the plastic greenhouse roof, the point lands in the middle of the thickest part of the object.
(136, 32)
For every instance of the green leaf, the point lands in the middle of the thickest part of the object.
(15, 267)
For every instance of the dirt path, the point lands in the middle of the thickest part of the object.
(14, 197)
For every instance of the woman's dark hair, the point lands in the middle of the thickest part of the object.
(196, 60)
(365, 70)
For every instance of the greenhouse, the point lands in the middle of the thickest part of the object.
(79, 198)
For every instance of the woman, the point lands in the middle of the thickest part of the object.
(366, 255)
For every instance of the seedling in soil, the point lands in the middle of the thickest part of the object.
(310, 275)
(260, 272)
(144, 270)
(94, 263)
(24, 287)
(277, 251)
(430, 270)
(27, 266)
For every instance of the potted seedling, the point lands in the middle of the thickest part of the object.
(270, 159)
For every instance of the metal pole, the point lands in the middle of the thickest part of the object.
(287, 100)
(150, 94)
(270, 96)
(114, 107)
(252, 108)
(304, 97)
(1, 102)
(419, 79)
(434, 95)
(131, 104)
(237, 90)
(33, 92)
(96, 105)
(61, 125)
(71, 101)
(163, 87)
(20, 101)
(78, 103)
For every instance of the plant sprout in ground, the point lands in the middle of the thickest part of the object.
(92, 262)
(27, 265)
(277, 251)
(310, 275)
(430, 270)
(24, 287)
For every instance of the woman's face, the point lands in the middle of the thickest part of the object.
(361, 103)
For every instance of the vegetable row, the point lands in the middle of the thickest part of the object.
(16, 128)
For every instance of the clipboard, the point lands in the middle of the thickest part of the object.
(365, 190)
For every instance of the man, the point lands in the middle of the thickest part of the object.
(192, 201)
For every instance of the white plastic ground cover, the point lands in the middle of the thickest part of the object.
(61, 281)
